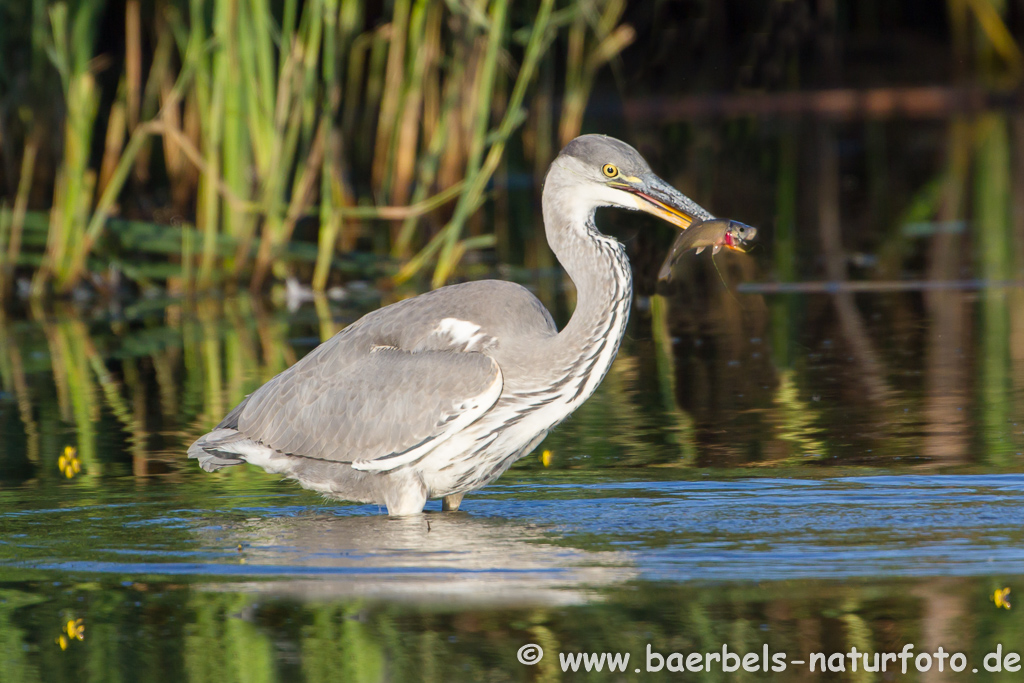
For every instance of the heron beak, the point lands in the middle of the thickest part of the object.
(657, 197)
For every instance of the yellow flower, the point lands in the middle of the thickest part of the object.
(73, 630)
(545, 458)
(76, 629)
(68, 463)
(999, 597)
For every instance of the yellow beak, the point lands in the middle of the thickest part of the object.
(654, 196)
(671, 214)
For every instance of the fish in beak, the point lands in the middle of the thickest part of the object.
(715, 233)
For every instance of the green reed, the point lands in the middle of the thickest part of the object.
(309, 113)
(71, 51)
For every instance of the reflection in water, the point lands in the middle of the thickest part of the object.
(159, 583)
(555, 531)
(944, 612)
(705, 378)
(450, 559)
(871, 373)
(719, 383)
(796, 426)
(946, 438)
(174, 633)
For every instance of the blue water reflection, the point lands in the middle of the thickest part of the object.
(751, 529)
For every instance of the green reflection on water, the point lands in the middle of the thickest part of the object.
(690, 387)
(993, 236)
(167, 632)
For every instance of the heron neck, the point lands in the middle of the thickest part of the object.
(598, 267)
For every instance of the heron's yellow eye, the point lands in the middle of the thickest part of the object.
(610, 170)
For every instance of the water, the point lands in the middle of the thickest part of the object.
(531, 537)
(750, 474)
(257, 581)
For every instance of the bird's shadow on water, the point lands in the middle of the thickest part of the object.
(437, 558)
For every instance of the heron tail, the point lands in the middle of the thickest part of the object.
(214, 450)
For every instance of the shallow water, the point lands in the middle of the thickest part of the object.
(754, 471)
(253, 580)
(550, 533)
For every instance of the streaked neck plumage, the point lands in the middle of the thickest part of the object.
(596, 263)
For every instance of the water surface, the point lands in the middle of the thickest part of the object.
(245, 579)
(756, 470)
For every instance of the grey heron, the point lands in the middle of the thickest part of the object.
(437, 395)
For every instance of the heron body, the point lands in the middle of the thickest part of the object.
(437, 395)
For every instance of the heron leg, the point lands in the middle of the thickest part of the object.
(406, 500)
(450, 503)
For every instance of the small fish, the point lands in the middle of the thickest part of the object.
(715, 233)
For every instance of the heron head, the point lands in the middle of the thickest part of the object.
(608, 172)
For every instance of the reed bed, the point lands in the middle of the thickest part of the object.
(271, 139)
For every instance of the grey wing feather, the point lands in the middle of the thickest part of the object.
(369, 405)
(390, 387)
(230, 420)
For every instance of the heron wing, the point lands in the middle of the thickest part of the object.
(379, 409)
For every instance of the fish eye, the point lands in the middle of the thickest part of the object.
(610, 170)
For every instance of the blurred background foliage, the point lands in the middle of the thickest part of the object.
(205, 144)
(241, 140)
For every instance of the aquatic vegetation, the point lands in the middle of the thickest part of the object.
(331, 116)
(73, 630)
(68, 463)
